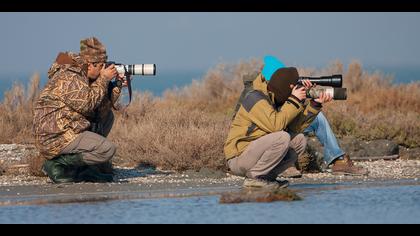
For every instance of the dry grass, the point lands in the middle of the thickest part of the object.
(186, 128)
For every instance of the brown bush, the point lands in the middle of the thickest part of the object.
(173, 138)
(186, 128)
(16, 112)
(377, 109)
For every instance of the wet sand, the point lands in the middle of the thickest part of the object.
(135, 183)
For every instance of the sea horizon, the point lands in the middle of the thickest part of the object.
(165, 80)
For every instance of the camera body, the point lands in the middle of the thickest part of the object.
(128, 71)
(331, 85)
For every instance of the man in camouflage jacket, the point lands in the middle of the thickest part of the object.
(73, 115)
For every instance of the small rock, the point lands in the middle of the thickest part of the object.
(382, 147)
(358, 148)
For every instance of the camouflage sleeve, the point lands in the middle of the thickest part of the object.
(109, 101)
(83, 98)
(116, 92)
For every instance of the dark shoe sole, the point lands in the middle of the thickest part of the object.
(348, 173)
(283, 185)
(292, 176)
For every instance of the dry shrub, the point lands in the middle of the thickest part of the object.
(16, 112)
(186, 128)
(376, 108)
(172, 138)
(217, 92)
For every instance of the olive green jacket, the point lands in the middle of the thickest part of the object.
(257, 116)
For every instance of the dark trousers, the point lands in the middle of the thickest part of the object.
(93, 145)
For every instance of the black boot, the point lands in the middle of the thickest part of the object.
(93, 174)
(105, 168)
(63, 169)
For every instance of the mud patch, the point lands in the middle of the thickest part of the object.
(259, 196)
(206, 173)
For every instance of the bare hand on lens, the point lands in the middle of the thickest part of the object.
(109, 72)
(323, 98)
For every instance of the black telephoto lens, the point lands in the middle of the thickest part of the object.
(335, 81)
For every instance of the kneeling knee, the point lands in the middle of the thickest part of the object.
(301, 140)
(282, 138)
(108, 150)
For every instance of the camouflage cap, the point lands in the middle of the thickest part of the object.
(93, 51)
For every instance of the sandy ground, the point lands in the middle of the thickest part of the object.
(137, 183)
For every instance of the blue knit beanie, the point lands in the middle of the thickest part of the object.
(271, 65)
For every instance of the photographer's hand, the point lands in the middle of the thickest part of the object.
(308, 84)
(123, 79)
(323, 98)
(109, 72)
(299, 93)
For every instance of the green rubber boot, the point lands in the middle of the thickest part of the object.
(63, 169)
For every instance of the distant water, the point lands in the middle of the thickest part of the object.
(166, 80)
(154, 84)
(402, 75)
(392, 204)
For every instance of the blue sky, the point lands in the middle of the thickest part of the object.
(198, 41)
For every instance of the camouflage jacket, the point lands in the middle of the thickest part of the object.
(68, 105)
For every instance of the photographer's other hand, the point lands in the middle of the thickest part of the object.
(324, 98)
(123, 79)
(308, 84)
(299, 93)
(109, 72)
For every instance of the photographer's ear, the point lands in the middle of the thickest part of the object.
(291, 86)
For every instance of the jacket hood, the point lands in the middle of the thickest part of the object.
(66, 61)
(260, 84)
